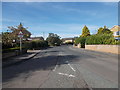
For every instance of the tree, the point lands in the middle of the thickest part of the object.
(17, 29)
(53, 39)
(85, 32)
(7, 40)
(104, 30)
(8, 37)
(100, 30)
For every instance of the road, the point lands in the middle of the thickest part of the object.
(64, 67)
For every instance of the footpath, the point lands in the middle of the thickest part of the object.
(18, 59)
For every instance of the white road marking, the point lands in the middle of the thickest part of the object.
(66, 74)
(71, 67)
(55, 68)
(60, 54)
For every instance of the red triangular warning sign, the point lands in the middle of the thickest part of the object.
(20, 33)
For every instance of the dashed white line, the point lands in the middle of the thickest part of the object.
(66, 74)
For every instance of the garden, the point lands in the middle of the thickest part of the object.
(103, 37)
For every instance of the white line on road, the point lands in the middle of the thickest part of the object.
(55, 68)
(71, 66)
(60, 53)
(66, 74)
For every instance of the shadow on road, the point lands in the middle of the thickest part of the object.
(37, 64)
(43, 63)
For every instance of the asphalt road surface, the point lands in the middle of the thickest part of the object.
(64, 67)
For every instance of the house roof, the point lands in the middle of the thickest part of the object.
(115, 28)
(40, 38)
(67, 38)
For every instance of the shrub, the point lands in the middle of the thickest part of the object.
(12, 49)
(81, 40)
(36, 44)
(53, 40)
(101, 39)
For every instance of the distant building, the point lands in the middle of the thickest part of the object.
(67, 40)
(36, 38)
(116, 31)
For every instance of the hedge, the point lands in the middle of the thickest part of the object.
(11, 49)
(81, 40)
(101, 39)
(36, 44)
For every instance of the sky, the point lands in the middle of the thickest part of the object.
(63, 18)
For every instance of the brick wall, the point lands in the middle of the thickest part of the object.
(104, 48)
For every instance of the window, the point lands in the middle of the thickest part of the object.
(118, 33)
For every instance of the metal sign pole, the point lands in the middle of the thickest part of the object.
(20, 44)
(20, 35)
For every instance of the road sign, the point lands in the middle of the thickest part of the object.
(20, 35)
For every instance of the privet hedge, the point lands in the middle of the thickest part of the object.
(80, 40)
(106, 39)
(101, 39)
(36, 44)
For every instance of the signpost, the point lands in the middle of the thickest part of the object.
(20, 35)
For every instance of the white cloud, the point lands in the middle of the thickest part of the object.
(68, 9)
(62, 35)
(109, 4)
(0, 28)
(64, 30)
(8, 20)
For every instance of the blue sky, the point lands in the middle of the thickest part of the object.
(65, 19)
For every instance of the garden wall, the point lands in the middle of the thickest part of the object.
(104, 48)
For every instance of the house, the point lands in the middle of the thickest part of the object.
(36, 38)
(116, 31)
(67, 40)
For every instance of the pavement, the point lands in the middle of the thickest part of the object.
(17, 59)
(64, 67)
